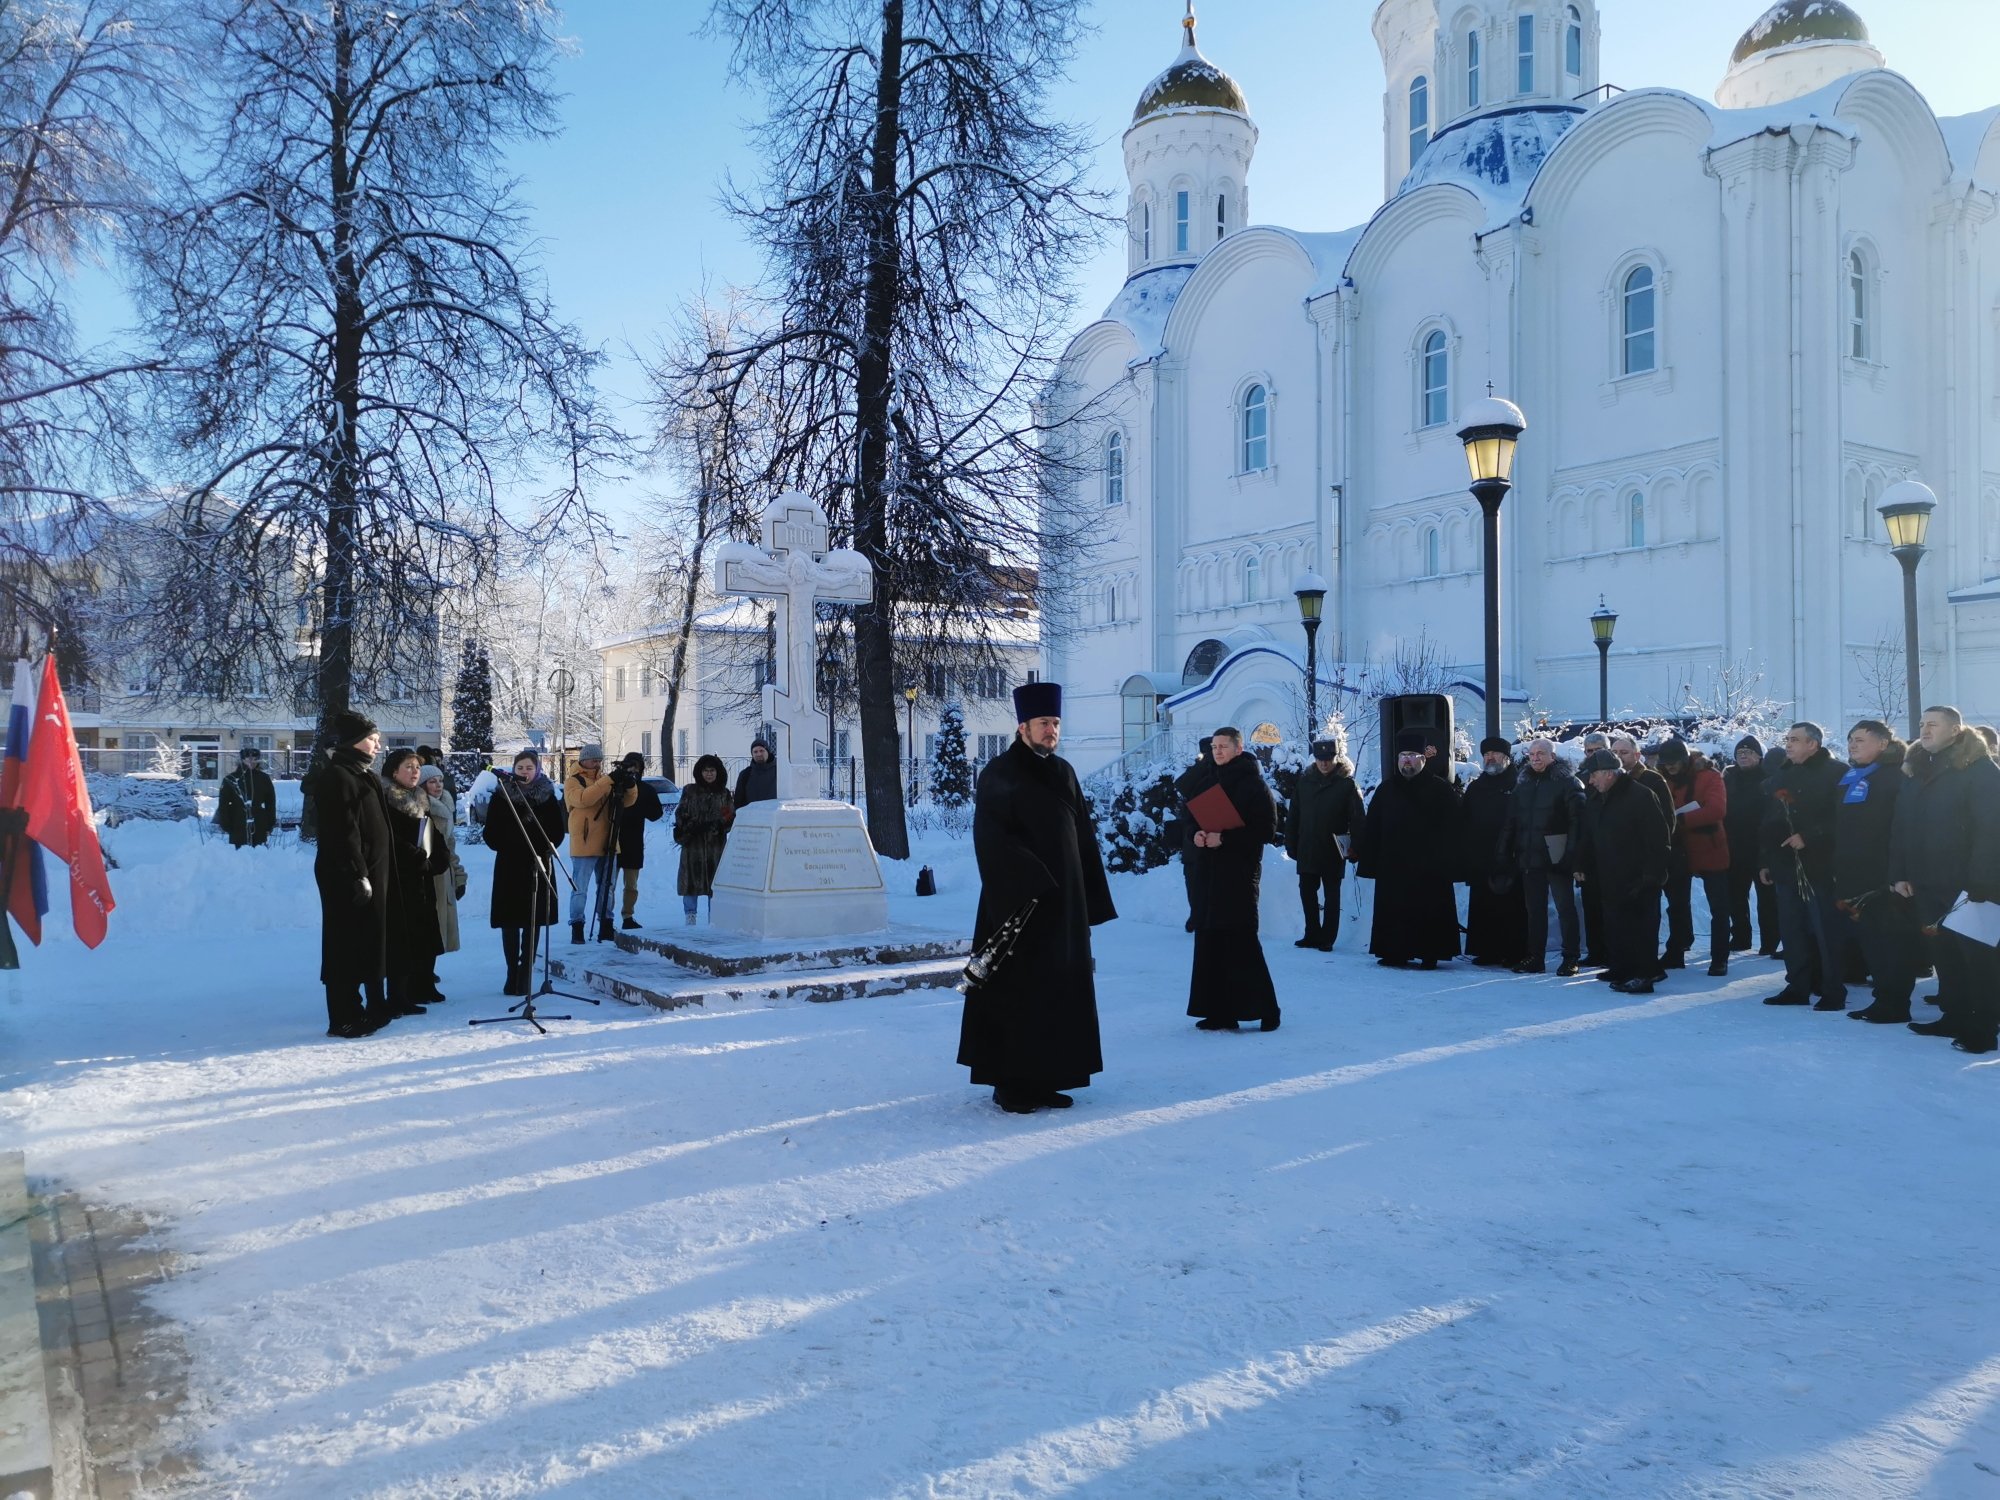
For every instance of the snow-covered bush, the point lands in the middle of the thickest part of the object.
(145, 796)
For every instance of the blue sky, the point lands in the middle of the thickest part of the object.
(626, 198)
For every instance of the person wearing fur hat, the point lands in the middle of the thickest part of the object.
(1495, 917)
(1408, 847)
(1700, 851)
(589, 796)
(1624, 854)
(1743, 784)
(758, 781)
(701, 828)
(1230, 982)
(1325, 815)
(414, 939)
(1946, 844)
(1029, 1029)
(354, 868)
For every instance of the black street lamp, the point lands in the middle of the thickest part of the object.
(1602, 623)
(1492, 428)
(910, 697)
(1310, 591)
(1906, 510)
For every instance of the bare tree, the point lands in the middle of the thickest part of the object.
(921, 222)
(364, 360)
(75, 82)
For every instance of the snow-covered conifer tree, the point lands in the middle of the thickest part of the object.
(951, 772)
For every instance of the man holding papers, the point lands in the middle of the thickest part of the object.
(1945, 851)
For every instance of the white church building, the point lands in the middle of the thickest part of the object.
(1731, 325)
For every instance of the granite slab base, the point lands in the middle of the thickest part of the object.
(639, 977)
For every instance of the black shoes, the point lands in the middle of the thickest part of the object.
(1828, 1003)
(1882, 1015)
(1495, 963)
(1325, 945)
(629, 923)
(1015, 1102)
(576, 932)
(1788, 997)
(1056, 1101)
(1429, 963)
(1214, 1025)
(1719, 969)
(1528, 966)
(1674, 961)
(1944, 1026)
(1269, 1023)
(1634, 987)
(1569, 970)
(1307, 942)
(1986, 1042)
(606, 933)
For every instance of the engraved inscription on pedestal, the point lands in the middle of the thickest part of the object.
(824, 859)
(746, 858)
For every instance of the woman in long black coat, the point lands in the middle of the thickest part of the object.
(1030, 1031)
(525, 825)
(414, 939)
(355, 872)
(1230, 982)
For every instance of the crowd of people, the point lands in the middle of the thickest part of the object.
(390, 880)
(1854, 871)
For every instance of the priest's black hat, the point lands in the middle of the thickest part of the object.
(1037, 700)
(1411, 742)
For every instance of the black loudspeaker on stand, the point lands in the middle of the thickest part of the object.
(1429, 713)
(545, 861)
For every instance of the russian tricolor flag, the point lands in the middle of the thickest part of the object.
(26, 878)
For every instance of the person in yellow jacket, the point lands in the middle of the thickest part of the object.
(588, 796)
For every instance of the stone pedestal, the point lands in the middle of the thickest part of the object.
(799, 868)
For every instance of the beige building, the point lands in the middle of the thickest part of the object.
(729, 661)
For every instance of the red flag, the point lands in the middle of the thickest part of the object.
(58, 807)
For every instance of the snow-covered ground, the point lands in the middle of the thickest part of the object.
(1442, 1235)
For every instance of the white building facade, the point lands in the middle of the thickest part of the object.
(1731, 326)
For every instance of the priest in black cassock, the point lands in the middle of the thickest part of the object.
(1231, 982)
(1408, 848)
(1495, 917)
(1030, 1030)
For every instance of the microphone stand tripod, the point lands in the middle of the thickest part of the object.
(545, 857)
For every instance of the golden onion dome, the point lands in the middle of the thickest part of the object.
(1193, 82)
(1790, 22)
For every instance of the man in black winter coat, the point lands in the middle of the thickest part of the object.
(758, 781)
(355, 868)
(1871, 918)
(1407, 847)
(1624, 854)
(1494, 916)
(246, 807)
(1320, 826)
(1798, 862)
(1544, 822)
(1946, 844)
(1633, 762)
(1030, 1030)
(1744, 783)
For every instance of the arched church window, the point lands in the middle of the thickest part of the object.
(1145, 231)
(1472, 45)
(1642, 322)
(1433, 550)
(1114, 468)
(1256, 445)
(1221, 216)
(1253, 579)
(1635, 520)
(1202, 662)
(1436, 373)
(1573, 44)
(1857, 305)
(1181, 222)
(1420, 117)
(1524, 54)
(1111, 604)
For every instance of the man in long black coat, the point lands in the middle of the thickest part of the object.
(1325, 817)
(1030, 1030)
(1495, 919)
(1408, 847)
(1946, 843)
(355, 869)
(1798, 861)
(1230, 983)
(1881, 926)
(1624, 854)
(246, 806)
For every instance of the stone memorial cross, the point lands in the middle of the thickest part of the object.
(796, 568)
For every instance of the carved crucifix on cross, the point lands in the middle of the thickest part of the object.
(796, 568)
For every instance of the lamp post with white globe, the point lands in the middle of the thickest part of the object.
(1492, 429)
